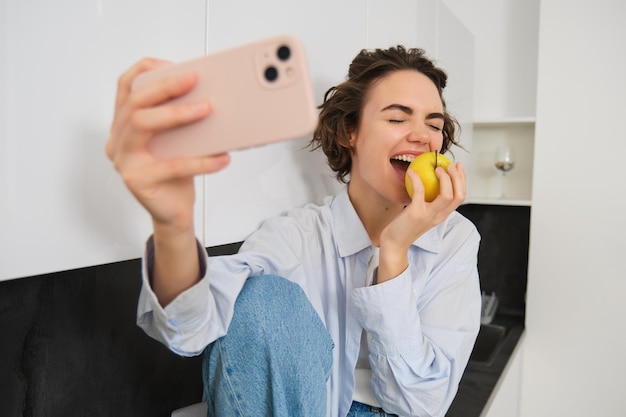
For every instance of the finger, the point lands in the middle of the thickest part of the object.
(162, 90)
(123, 93)
(147, 117)
(144, 123)
(168, 116)
(459, 181)
(418, 186)
(446, 190)
(185, 167)
(456, 172)
(152, 173)
(125, 81)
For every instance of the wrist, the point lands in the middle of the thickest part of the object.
(172, 232)
(392, 262)
(173, 243)
(177, 264)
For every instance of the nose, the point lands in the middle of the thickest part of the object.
(419, 133)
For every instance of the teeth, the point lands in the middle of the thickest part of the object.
(405, 158)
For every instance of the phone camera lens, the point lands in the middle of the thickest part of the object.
(271, 74)
(283, 53)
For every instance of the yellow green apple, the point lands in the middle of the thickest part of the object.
(424, 166)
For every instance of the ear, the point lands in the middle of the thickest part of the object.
(352, 137)
(346, 138)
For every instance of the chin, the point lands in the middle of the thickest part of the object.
(402, 197)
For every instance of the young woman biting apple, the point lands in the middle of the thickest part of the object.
(367, 303)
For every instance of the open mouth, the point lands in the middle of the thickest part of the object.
(400, 163)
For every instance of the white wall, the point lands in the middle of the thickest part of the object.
(61, 204)
(574, 361)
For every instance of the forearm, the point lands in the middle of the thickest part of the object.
(392, 262)
(176, 263)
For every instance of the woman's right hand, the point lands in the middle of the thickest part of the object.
(164, 187)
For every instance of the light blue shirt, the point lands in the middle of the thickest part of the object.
(420, 326)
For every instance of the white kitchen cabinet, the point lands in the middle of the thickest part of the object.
(455, 54)
(62, 206)
(505, 83)
(486, 184)
(432, 26)
(266, 181)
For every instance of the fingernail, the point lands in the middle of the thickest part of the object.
(223, 158)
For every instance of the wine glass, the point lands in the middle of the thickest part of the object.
(504, 161)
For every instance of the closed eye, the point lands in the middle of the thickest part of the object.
(396, 121)
(436, 128)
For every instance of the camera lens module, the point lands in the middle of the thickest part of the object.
(283, 53)
(271, 74)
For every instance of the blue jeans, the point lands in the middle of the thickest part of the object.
(274, 360)
(363, 410)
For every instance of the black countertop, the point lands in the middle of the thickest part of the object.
(480, 378)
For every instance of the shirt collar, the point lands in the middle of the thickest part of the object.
(351, 236)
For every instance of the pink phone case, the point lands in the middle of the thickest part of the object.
(260, 94)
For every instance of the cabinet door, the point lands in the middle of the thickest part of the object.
(430, 25)
(61, 204)
(266, 181)
(455, 53)
(389, 26)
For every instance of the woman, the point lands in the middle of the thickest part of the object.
(368, 303)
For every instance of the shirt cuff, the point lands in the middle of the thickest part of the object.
(388, 313)
(169, 323)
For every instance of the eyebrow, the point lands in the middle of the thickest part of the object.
(404, 109)
(409, 111)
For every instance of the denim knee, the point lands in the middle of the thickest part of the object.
(276, 355)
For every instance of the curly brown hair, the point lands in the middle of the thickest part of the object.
(340, 113)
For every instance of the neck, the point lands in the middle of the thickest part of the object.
(374, 211)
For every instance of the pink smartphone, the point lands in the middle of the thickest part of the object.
(260, 93)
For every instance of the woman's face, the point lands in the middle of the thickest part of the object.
(402, 117)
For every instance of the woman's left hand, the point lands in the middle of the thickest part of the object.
(419, 217)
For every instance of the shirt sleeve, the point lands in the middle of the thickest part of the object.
(421, 326)
(202, 313)
(194, 318)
